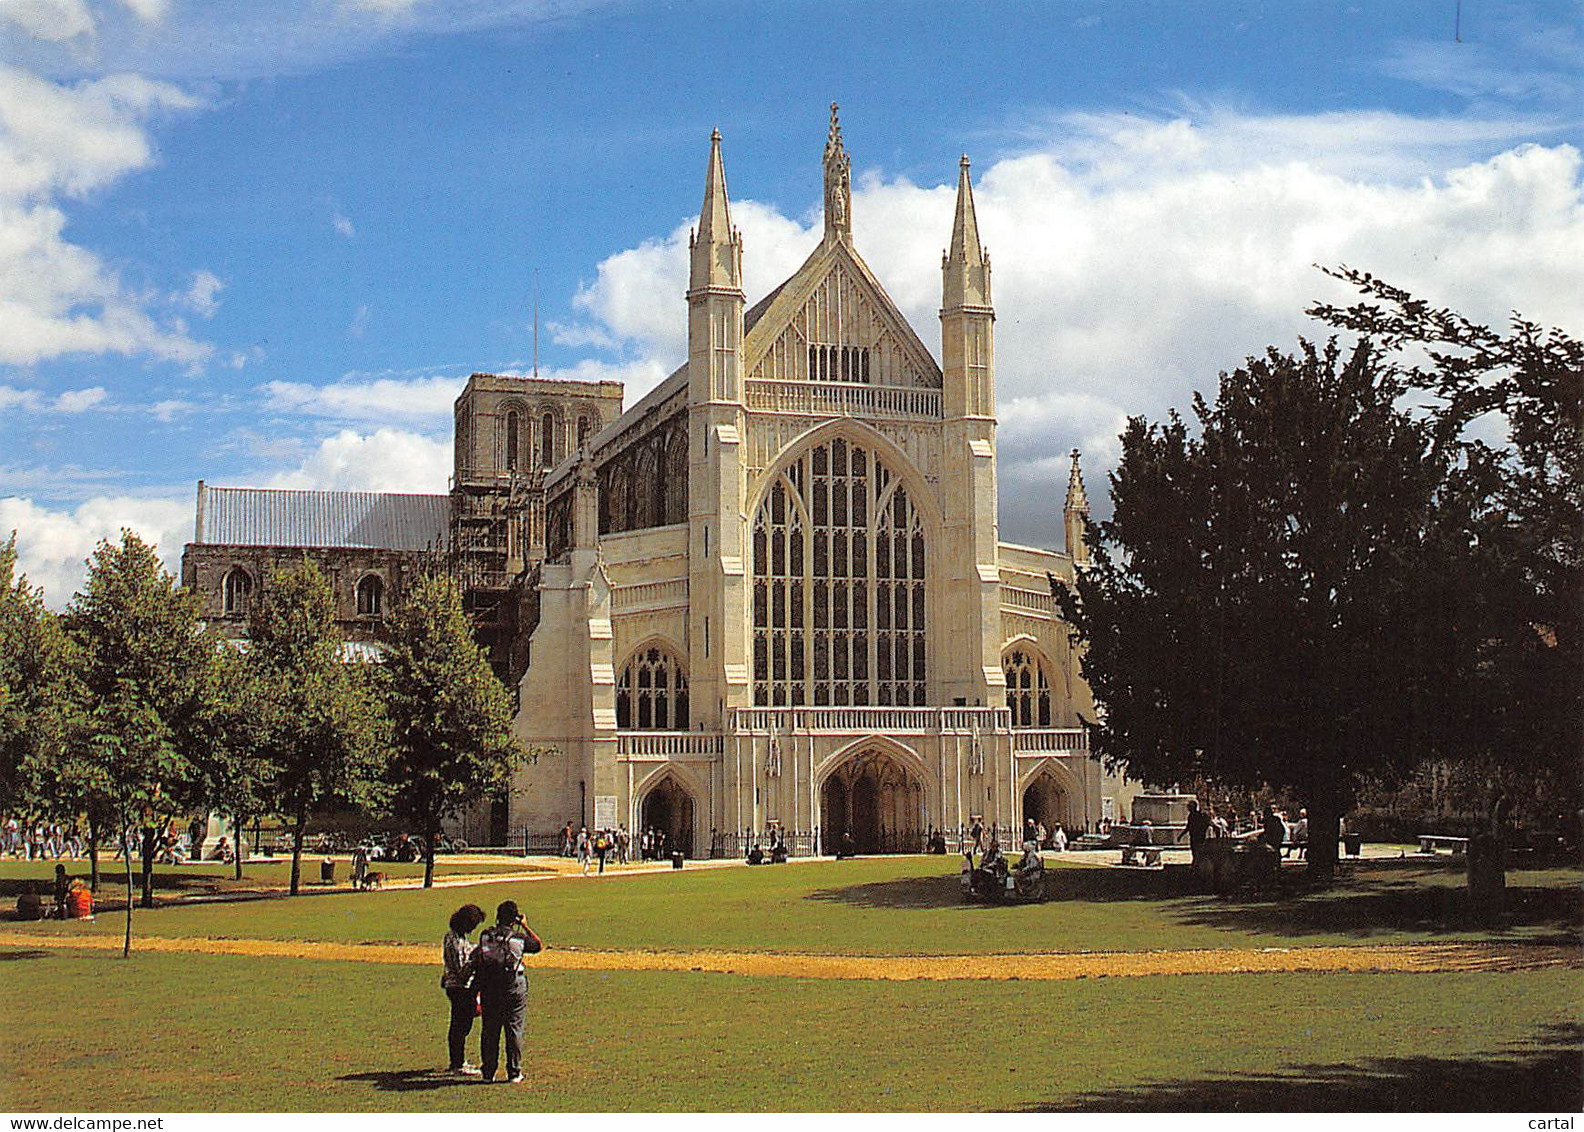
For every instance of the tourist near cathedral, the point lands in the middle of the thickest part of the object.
(768, 597)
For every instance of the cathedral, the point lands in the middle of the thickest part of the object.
(769, 596)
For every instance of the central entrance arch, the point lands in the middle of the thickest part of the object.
(668, 807)
(878, 799)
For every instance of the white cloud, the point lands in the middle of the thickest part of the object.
(167, 411)
(53, 545)
(80, 400)
(385, 7)
(54, 21)
(71, 401)
(1134, 259)
(63, 141)
(342, 225)
(428, 398)
(149, 11)
(387, 459)
(204, 294)
(359, 322)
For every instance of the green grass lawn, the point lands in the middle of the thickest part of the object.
(168, 1032)
(902, 906)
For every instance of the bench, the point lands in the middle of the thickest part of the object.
(1141, 856)
(1430, 842)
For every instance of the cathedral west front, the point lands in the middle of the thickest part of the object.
(769, 595)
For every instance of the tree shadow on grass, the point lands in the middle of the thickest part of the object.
(1360, 904)
(13, 956)
(1100, 885)
(409, 1080)
(1543, 1075)
(1395, 905)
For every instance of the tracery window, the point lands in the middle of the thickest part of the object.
(370, 596)
(652, 692)
(236, 590)
(1027, 689)
(839, 584)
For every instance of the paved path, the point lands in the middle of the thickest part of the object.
(1052, 966)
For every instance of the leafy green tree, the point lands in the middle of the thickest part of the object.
(318, 718)
(1269, 602)
(450, 718)
(234, 779)
(34, 675)
(1529, 637)
(141, 657)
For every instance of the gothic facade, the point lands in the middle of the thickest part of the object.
(770, 594)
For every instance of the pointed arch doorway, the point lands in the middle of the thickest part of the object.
(876, 798)
(669, 808)
(1045, 801)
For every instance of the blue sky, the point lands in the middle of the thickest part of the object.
(263, 244)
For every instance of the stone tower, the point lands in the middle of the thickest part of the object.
(972, 669)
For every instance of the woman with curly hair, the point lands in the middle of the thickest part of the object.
(457, 982)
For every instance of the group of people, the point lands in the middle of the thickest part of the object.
(776, 854)
(41, 841)
(487, 980)
(1272, 828)
(597, 848)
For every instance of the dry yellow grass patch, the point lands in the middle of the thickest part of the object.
(1053, 966)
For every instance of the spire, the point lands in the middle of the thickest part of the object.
(838, 183)
(1075, 514)
(716, 247)
(965, 265)
(1077, 497)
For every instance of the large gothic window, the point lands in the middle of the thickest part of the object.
(839, 568)
(1028, 689)
(370, 596)
(652, 692)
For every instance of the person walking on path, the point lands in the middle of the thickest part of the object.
(503, 989)
(457, 981)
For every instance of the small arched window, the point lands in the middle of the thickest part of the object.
(652, 692)
(547, 440)
(236, 590)
(370, 596)
(1027, 689)
(513, 440)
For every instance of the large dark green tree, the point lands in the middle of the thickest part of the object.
(234, 780)
(318, 720)
(450, 718)
(141, 658)
(1272, 603)
(34, 674)
(1525, 690)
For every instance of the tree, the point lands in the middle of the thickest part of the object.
(34, 674)
(450, 718)
(141, 656)
(1528, 535)
(234, 779)
(1270, 604)
(317, 717)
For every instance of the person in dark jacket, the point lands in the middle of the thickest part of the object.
(503, 989)
(457, 982)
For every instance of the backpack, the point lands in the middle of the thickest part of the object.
(495, 963)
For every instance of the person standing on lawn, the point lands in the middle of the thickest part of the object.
(457, 981)
(503, 989)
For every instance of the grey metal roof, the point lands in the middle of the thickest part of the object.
(255, 516)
